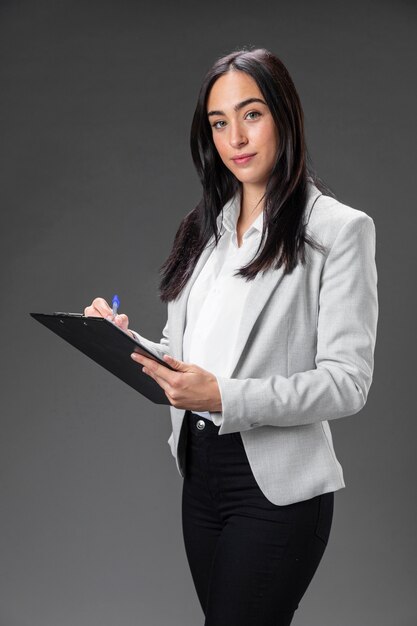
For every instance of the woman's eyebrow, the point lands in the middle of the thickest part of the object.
(238, 106)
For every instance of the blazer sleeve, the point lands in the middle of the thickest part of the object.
(346, 334)
(160, 348)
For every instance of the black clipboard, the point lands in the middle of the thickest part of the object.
(107, 345)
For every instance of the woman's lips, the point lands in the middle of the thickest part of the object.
(242, 159)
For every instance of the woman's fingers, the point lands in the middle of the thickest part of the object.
(90, 311)
(98, 308)
(122, 321)
(102, 307)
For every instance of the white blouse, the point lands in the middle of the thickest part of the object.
(218, 299)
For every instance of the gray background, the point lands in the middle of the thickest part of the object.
(96, 105)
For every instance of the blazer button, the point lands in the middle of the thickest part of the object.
(201, 424)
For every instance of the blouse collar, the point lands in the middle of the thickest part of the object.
(231, 211)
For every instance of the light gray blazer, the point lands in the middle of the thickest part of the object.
(304, 355)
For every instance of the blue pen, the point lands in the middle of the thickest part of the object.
(115, 305)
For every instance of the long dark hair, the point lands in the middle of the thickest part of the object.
(284, 230)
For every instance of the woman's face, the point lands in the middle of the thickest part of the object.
(244, 132)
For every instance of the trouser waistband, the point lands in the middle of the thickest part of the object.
(199, 424)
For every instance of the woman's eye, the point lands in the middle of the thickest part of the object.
(253, 115)
(218, 124)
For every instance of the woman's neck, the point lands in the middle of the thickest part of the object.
(252, 202)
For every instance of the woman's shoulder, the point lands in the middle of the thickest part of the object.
(328, 216)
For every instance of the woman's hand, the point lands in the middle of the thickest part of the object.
(188, 387)
(100, 308)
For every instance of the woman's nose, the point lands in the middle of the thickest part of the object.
(237, 137)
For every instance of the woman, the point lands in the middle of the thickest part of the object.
(271, 288)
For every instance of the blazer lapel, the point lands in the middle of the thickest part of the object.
(260, 290)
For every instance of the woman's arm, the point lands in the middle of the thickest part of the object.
(347, 324)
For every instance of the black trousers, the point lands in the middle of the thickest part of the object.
(251, 560)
